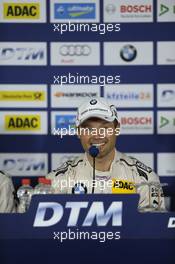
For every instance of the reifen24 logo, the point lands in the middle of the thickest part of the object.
(128, 11)
(23, 53)
(23, 11)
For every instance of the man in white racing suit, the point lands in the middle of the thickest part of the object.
(7, 201)
(98, 125)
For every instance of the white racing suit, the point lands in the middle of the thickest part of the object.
(7, 201)
(77, 177)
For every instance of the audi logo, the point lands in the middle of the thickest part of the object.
(75, 50)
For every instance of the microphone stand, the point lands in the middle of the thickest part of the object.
(93, 151)
(93, 175)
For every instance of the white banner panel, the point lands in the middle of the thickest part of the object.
(129, 95)
(166, 122)
(23, 95)
(25, 11)
(23, 53)
(62, 95)
(166, 164)
(128, 53)
(136, 122)
(28, 123)
(75, 53)
(128, 11)
(24, 164)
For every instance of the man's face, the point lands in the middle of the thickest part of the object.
(99, 132)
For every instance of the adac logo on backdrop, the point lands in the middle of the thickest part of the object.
(65, 121)
(22, 96)
(74, 10)
(22, 122)
(21, 10)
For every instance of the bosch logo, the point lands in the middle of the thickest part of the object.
(93, 101)
(110, 9)
(75, 50)
(136, 120)
(128, 53)
(135, 8)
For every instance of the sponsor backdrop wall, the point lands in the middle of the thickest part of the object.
(54, 54)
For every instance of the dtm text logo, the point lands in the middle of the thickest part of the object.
(95, 213)
(19, 53)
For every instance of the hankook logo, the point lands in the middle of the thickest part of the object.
(75, 50)
(128, 53)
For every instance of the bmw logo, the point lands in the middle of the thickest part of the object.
(79, 188)
(110, 9)
(93, 101)
(128, 53)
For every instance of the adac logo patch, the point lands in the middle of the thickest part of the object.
(121, 186)
(79, 188)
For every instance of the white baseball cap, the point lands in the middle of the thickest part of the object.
(96, 107)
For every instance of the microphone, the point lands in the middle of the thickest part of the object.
(93, 151)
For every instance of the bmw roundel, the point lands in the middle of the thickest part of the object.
(93, 101)
(79, 188)
(128, 53)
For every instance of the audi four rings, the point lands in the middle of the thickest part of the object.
(75, 50)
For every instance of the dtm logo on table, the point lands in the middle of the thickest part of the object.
(28, 11)
(92, 211)
(23, 123)
(23, 53)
